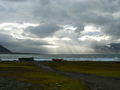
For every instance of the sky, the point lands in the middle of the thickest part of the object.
(58, 26)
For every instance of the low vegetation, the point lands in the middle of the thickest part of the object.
(28, 72)
(106, 69)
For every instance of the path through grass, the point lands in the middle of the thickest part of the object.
(107, 69)
(28, 72)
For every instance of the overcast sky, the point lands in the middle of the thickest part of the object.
(58, 26)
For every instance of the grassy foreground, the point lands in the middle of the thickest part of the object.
(27, 72)
(106, 69)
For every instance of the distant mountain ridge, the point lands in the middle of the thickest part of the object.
(109, 48)
(4, 50)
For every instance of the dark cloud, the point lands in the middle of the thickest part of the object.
(33, 43)
(8, 41)
(30, 46)
(19, 45)
(44, 2)
(6, 37)
(15, 0)
(15, 10)
(78, 13)
(44, 30)
(112, 29)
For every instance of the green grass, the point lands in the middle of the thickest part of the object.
(106, 69)
(43, 80)
(18, 66)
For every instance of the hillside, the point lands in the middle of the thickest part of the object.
(4, 50)
(112, 48)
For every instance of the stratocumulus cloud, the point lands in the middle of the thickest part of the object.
(58, 26)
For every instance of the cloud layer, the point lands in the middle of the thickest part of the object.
(58, 26)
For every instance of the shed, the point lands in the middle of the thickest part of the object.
(26, 59)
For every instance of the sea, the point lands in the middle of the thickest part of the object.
(68, 57)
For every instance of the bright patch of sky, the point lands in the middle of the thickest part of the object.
(16, 29)
(97, 38)
(92, 33)
(50, 46)
(67, 33)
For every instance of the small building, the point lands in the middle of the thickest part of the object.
(26, 59)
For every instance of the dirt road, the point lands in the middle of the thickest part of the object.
(91, 81)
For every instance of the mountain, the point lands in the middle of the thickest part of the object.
(109, 48)
(4, 50)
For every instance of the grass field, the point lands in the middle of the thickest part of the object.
(29, 73)
(106, 69)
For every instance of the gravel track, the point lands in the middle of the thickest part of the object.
(8, 83)
(91, 81)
